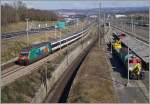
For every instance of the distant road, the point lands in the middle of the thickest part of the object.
(21, 33)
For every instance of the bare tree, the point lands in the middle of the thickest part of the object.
(18, 12)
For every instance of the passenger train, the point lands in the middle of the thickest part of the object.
(36, 52)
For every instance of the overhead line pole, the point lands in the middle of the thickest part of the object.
(55, 33)
(46, 38)
(132, 23)
(46, 75)
(104, 24)
(67, 52)
(60, 39)
(82, 34)
(27, 30)
(128, 83)
(99, 22)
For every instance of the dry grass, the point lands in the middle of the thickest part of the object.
(23, 89)
(93, 83)
(21, 26)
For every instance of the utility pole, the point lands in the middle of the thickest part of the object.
(125, 21)
(67, 53)
(46, 76)
(122, 24)
(27, 30)
(46, 33)
(111, 44)
(60, 38)
(104, 23)
(132, 23)
(39, 27)
(99, 23)
(82, 35)
(55, 32)
(128, 83)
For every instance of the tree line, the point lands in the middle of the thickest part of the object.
(18, 12)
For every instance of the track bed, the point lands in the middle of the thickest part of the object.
(93, 82)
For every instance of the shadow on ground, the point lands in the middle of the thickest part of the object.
(117, 64)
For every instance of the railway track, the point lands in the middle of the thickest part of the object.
(12, 70)
(139, 36)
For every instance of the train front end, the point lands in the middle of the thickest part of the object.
(135, 68)
(24, 57)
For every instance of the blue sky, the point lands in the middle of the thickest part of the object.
(80, 4)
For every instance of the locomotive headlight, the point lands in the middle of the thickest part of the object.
(131, 68)
(23, 58)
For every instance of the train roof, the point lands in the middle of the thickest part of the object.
(44, 43)
(35, 46)
(68, 35)
(138, 47)
(40, 44)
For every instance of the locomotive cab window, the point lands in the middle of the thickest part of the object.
(24, 54)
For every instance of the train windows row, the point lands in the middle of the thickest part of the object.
(65, 40)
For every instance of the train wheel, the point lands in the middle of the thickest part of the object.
(27, 63)
(136, 77)
(133, 76)
(142, 75)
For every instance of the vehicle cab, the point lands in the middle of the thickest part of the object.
(24, 56)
